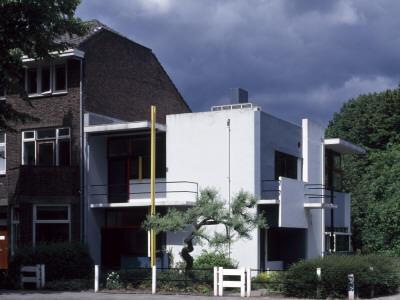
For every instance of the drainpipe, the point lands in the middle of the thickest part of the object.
(330, 185)
(81, 159)
(228, 129)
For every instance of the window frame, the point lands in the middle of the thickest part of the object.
(55, 140)
(4, 144)
(52, 78)
(36, 221)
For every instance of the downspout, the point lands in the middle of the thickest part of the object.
(81, 151)
(228, 128)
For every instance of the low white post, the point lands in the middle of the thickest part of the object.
(242, 282)
(319, 279)
(220, 281)
(215, 281)
(96, 278)
(153, 279)
(38, 276)
(248, 282)
(351, 286)
(43, 276)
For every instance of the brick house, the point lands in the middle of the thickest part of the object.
(41, 166)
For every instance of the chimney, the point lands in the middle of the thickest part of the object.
(239, 95)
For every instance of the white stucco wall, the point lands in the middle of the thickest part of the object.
(198, 150)
(313, 173)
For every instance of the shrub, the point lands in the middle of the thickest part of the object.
(63, 261)
(209, 260)
(113, 282)
(273, 281)
(301, 279)
(69, 285)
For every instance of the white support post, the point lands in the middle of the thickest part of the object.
(248, 271)
(351, 286)
(96, 278)
(38, 276)
(215, 281)
(154, 279)
(43, 276)
(220, 281)
(242, 282)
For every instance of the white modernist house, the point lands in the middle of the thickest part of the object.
(293, 170)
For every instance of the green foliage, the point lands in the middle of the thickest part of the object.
(69, 285)
(113, 281)
(211, 210)
(209, 260)
(63, 261)
(301, 279)
(372, 121)
(272, 281)
(32, 28)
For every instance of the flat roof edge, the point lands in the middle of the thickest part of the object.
(343, 147)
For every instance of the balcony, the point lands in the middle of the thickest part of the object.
(171, 193)
(46, 181)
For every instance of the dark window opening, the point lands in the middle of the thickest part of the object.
(61, 78)
(333, 172)
(32, 81)
(285, 165)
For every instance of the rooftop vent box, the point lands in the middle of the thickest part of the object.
(239, 95)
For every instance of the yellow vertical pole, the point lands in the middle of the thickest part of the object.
(153, 179)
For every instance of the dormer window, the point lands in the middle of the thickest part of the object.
(48, 79)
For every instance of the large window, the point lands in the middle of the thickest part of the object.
(51, 223)
(46, 79)
(46, 147)
(334, 172)
(286, 166)
(2, 153)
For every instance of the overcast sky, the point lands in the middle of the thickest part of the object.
(296, 58)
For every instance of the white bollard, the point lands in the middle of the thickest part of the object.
(43, 276)
(96, 278)
(351, 286)
(154, 280)
(215, 281)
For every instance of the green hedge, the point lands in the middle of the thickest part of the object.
(301, 279)
(63, 261)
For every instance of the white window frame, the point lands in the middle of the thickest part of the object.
(3, 144)
(52, 79)
(14, 225)
(57, 138)
(36, 221)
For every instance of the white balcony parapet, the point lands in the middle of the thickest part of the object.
(320, 205)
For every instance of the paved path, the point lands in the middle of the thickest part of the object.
(48, 295)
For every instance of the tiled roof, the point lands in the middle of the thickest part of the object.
(95, 27)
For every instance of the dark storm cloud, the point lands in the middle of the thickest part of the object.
(296, 58)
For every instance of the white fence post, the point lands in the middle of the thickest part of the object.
(248, 282)
(242, 282)
(43, 276)
(220, 281)
(154, 279)
(215, 281)
(351, 286)
(96, 278)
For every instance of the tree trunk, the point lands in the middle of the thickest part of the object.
(186, 250)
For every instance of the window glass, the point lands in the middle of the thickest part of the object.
(46, 133)
(45, 79)
(46, 154)
(32, 81)
(64, 152)
(118, 148)
(29, 153)
(285, 165)
(52, 213)
(50, 232)
(63, 132)
(2, 137)
(61, 78)
(2, 159)
(29, 134)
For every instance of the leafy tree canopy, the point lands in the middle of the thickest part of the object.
(372, 121)
(209, 210)
(31, 28)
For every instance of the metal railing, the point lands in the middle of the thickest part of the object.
(131, 191)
